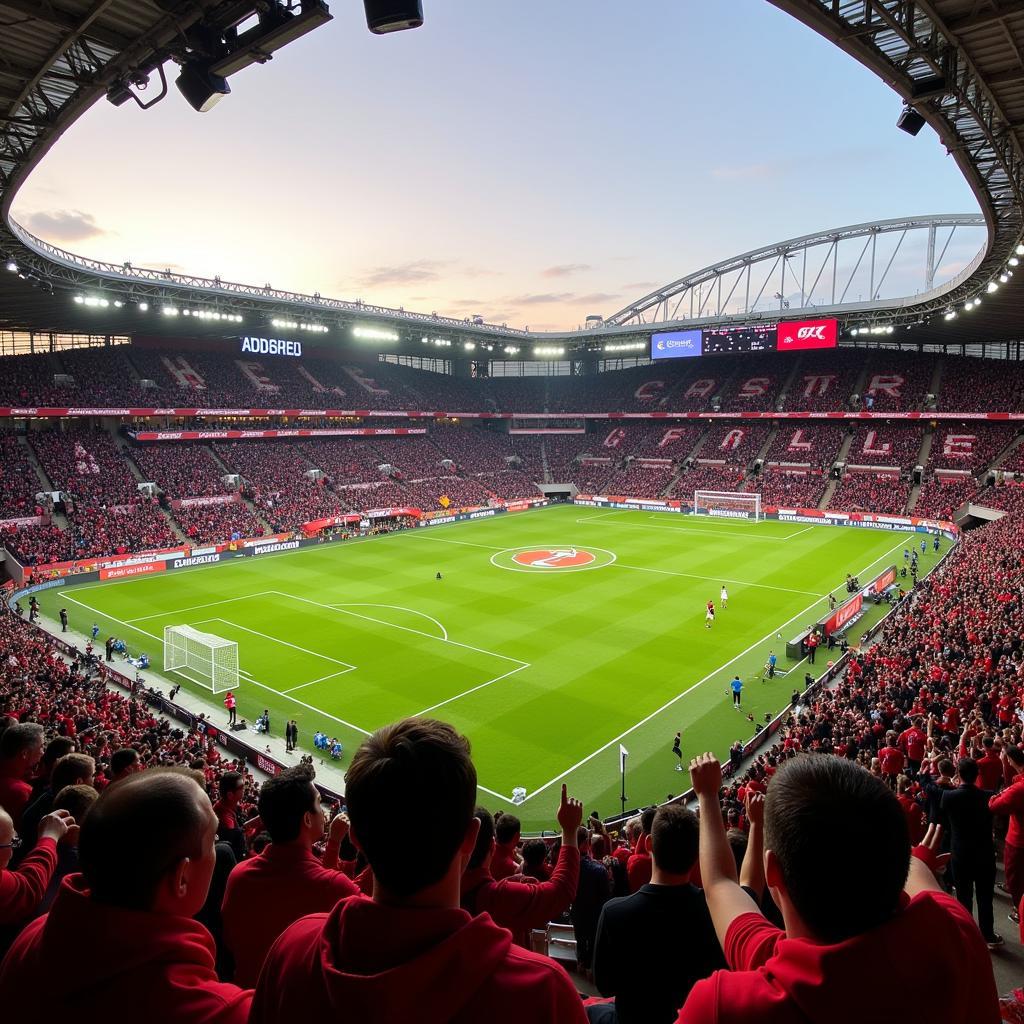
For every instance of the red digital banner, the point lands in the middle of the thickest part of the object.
(119, 572)
(258, 435)
(797, 335)
(842, 615)
(883, 582)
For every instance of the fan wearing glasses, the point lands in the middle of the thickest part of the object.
(22, 890)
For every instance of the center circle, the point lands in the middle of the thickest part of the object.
(552, 558)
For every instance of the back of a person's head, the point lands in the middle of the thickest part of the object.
(674, 839)
(988, 743)
(484, 838)
(1016, 755)
(841, 842)
(647, 819)
(397, 772)
(71, 769)
(123, 759)
(506, 828)
(56, 749)
(230, 782)
(19, 738)
(139, 829)
(76, 800)
(946, 767)
(534, 852)
(283, 801)
(967, 769)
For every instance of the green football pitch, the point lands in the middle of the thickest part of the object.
(553, 637)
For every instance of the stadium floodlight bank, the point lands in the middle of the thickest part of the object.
(204, 658)
(727, 505)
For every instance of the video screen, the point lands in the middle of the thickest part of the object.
(745, 338)
(804, 334)
(676, 344)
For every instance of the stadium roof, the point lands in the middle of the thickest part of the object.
(960, 63)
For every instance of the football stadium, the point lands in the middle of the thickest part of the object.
(537, 606)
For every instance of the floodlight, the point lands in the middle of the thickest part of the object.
(201, 87)
(384, 16)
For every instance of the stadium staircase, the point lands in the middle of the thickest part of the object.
(1015, 443)
(915, 493)
(767, 446)
(858, 384)
(830, 489)
(44, 480)
(937, 377)
(215, 455)
(780, 401)
(544, 462)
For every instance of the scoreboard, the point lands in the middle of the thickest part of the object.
(787, 336)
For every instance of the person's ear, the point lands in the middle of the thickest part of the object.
(773, 871)
(469, 839)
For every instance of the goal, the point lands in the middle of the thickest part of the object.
(211, 660)
(727, 505)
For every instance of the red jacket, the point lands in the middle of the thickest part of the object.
(21, 891)
(1011, 802)
(520, 906)
(15, 794)
(990, 772)
(266, 894)
(113, 963)
(776, 980)
(503, 863)
(370, 962)
(639, 868)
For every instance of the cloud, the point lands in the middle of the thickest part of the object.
(646, 285)
(537, 299)
(413, 272)
(475, 271)
(597, 297)
(565, 269)
(63, 225)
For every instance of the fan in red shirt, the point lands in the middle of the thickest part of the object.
(411, 952)
(990, 766)
(122, 931)
(891, 758)
(21, 891)
(640, 866)
(858, 925)
(913, 742)
(267, 893)
(505, 862)
(1011, 803)
(21, 749)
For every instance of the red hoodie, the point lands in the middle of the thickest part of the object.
(775, 980)
(88, 962)
(503, 862)
(521, 906)
(1011, 802)
(21, 891)
(367, 961)
(266, 894)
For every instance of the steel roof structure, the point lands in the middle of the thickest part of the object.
(959, 63)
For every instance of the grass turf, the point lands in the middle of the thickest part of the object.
(546, 670)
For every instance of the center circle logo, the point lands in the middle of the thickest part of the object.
(553, 558)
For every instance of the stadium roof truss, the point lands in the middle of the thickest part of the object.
(960, 63)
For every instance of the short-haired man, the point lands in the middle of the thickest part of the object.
(654, 945)
(229, 828)
(21, 749)
(838, 863)
(124, 762)
(515, 904)
(410, 952)
(122, 931)
(639, 865)
(70, 770)
(505, 863)
(285, 882)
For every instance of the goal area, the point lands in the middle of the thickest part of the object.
(201, 657)
(727, 505)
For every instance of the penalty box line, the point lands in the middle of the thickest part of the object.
(700, 682)
(249, 679)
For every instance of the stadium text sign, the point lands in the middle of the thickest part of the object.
(803, 334)
(272, 347)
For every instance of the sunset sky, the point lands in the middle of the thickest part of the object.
(531, 162)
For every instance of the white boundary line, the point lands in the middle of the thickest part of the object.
(583, 520)
(394, 625)
(301, 686)
(266, 636)
(710, 675)
(194, 608)
(714, 579)
(396, 607)
(552, 569)
(473, 689)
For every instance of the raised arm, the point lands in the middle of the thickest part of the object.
(726, 900)
(752, 871)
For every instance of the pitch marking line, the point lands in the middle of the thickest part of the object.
(717, 579)
(255, 682)
(394, 625)
(195, 607)
(710, 675)
(472, 689)
(695, 530)
(396, 607)
(461, 543)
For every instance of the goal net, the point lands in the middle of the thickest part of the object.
(727, 505)
(204, 658)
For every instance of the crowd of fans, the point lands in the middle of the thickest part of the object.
(897, 382)
(868, 492)
(18, 482)
(884, 444)
(940, 497)
(807, 443)
(212, 524)
(180, 470)
(789, 490)
(969, 445)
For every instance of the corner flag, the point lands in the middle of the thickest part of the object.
(623, 754)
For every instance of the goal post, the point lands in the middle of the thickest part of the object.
(204, 658)
(728, 505)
